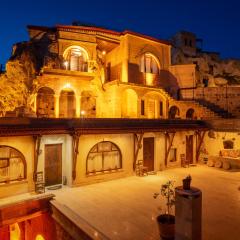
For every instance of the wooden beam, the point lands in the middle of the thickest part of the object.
(37, 143)
(75, 145)
(169, 137)
(136, 147)
(200, 136)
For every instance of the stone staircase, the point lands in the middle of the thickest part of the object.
(202, 110)
(215, 108)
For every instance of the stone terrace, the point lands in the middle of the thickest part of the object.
(124, 209)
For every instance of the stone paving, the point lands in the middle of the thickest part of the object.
(124, 209)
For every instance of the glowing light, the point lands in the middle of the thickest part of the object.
(103, 52)
(39, 237)
(65, 64)
(15, 233)
(83, 113)
(150, 79)
(67, 85)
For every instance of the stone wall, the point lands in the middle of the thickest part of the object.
(227, 97)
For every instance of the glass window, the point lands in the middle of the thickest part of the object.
(104, 156)
(149, 64)
(76, 60)
(142, 107)
(12, 165)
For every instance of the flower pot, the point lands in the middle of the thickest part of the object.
(166, 225)
(186, 184)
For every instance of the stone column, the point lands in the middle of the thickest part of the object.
(125, 60)
(188, 214)
(56, 105)
(35, 103)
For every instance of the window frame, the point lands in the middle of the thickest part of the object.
(152, 60)
(117, 149)
(23, 160)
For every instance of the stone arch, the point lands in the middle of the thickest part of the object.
(173, 112)
(190, 114)
(88, 104)
(149, 49)
(45, 102)
(155, 104)
(129, 103)
(149, 63)
(76, 58)
(67, 104)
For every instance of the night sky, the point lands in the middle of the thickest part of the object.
(217, 22)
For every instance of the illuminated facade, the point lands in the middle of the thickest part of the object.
(91, 82)
(104, 101)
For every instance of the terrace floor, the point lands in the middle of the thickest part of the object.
(124, 209)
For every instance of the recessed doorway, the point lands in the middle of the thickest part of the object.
(53, 164)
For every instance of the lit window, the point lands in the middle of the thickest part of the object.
(12, 165)
(149, 64)
(104, 156)
(76, 59)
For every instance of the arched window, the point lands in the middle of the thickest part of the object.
(173, 112)
(190, 113)
(104, 156)
(76, 59)
(149, 64)
(13, 165)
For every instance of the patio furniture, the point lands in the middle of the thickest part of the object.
(141, 170)
(39, 183)
(184, 161)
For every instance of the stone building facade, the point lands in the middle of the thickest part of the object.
(95, 103)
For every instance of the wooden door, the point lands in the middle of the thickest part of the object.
(148, 153)
(53, 164)
(189, 149)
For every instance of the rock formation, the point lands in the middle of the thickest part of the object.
(208, 64)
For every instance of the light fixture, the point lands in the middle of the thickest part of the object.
(83, 113)
(103, 52)
(65, 64)
(67, 85)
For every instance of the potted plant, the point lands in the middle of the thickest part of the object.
(187, 182)
(166, 221)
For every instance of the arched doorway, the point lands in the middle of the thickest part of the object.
(190, 113)
(67, 104)
(173, 112)
(88, 104)
(155, 105)
(45, 102)
(129, 103)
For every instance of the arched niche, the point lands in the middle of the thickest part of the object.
(67, 104)
(45, 102)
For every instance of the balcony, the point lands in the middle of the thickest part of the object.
(63, 69)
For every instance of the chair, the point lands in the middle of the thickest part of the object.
(141, 170)
(184, 161)
(39, 183)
